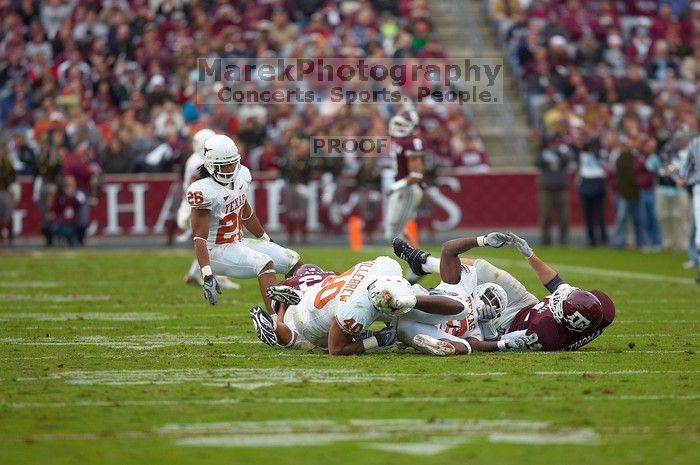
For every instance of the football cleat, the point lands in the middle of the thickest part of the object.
(433, 346)
(283, 294)
(264, 326)
(415, 258)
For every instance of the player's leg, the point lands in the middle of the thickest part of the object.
(240, 261)
(285, 261)
(401, 207)
(430, 339)
(696, 216)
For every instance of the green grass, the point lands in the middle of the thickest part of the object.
(631, 396)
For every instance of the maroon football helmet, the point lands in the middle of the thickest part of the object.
(576, 309)
(403, 123)
(308, 268)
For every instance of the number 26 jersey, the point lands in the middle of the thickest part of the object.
(225, 204)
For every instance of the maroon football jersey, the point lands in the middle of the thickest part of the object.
(401, 149)
(551, 335)
(304, 282)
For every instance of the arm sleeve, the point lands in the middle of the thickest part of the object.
(354, 319)
(198, 196)
(554, 284)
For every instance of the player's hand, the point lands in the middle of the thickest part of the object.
(521, 244)
(495, 239)
(386, 337)
(515, 343)
(283, 294)
(211, 288)
(487, 312)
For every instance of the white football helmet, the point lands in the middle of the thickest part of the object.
(221, 151)
(403, 123)
(493, 299)
(392, 295)
(199, 138)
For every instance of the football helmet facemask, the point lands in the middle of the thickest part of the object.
(221, 158)
(493, 296)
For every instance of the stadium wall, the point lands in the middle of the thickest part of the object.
(141, 204)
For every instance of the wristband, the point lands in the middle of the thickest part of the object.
(206, 271)
(370, 343)
(480, 241)
(264, 237)
(416, 175)
(501, 345)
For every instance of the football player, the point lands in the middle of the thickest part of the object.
(220, 210)
(459, 281)
(337, 312)
(406, 192)
(567, 319)
(190, 175)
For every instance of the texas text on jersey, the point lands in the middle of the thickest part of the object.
(538, 319)
(401, 149)
(225, 203)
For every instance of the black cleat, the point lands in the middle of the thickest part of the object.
(415, 258)
(264, 326)
(283, 294)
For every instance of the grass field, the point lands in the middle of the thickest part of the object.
(107, 358)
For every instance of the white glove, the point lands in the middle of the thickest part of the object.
(494, 239)
(517, 342)
(486, 312)
(211, 287)
(521, 244)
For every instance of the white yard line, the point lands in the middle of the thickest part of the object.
(92, 316)
(338, 400)
(560, 267)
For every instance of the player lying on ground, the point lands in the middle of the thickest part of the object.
(191, 173)
(460, 280)
(338, 312)
(567, 319)
(220, 209)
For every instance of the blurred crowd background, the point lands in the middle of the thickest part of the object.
(89, 87)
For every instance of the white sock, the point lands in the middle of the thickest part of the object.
(432, 265)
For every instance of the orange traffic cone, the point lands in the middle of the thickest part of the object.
(355, 232)
(411, 232)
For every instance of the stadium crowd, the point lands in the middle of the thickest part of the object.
(612, 86)
(89, 87)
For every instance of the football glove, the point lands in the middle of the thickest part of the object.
(487, 312)
(522, 342)
(495, 239)
(521, 244)
(211, 288)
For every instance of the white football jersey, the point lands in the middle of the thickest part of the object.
(191, 167)
(225, 204)
(343, 298)
(465, 292)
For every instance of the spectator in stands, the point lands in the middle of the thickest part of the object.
(591, 184)
(553, 162)
(627, 201)
(671, 200)
(7, 201)
(52, 152)
(65, 211)
(647, 195)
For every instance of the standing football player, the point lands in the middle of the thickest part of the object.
(220, 210)
(190, 175)
(567, 319)
(406, 192)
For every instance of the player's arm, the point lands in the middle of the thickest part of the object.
(450, 264)
(514, 341)
(414, 163)
(545, 273)
(200, 233)
(342, 341)
(252, 222)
